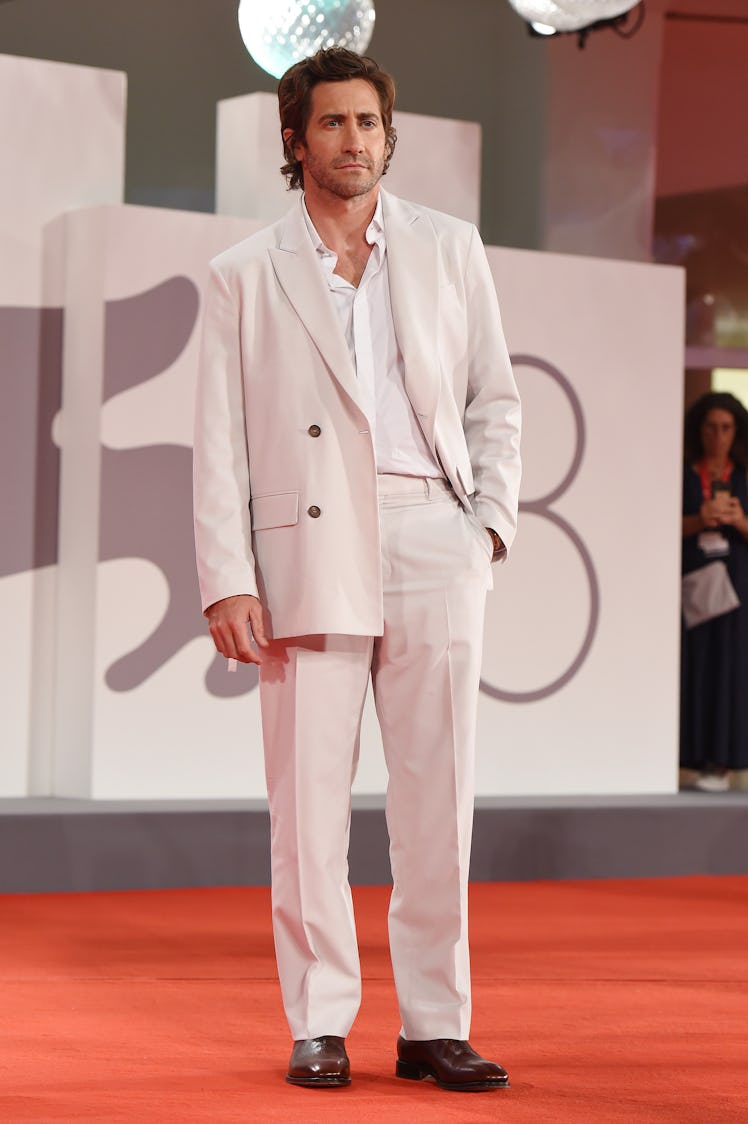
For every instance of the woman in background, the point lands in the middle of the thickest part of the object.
(714, 655)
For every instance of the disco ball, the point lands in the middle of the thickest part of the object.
(570, 15)
(277, 33)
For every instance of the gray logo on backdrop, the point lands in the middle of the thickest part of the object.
(543, 508)
(146, 494)
(146, 504)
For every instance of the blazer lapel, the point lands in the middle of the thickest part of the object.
(413, 266)
(300, 277)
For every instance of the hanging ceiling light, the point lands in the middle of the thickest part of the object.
(277, 33)
(550, 16)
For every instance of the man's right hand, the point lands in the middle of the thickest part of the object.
(228, 619)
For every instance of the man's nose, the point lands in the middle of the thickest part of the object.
(353, 142)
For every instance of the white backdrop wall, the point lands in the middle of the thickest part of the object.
(581, 660)
(583, 627)
(62, 138)
(580, 666)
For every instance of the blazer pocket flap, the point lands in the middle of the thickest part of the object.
(281, 509)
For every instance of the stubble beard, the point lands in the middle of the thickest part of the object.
(341, 183)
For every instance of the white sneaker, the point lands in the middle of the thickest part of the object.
(712, 782)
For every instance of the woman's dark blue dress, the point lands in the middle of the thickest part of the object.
(714, 655)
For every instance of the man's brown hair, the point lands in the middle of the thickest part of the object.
(336, 64)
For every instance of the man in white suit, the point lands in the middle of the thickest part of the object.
(356, 473)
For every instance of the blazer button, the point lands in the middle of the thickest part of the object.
(314, 431)
(314, 511)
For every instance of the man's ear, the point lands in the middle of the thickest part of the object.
(292, 146)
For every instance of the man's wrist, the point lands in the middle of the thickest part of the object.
(499, 550)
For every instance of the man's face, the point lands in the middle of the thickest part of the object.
(343, 151)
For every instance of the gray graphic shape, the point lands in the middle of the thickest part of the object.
(542, 507)
(31, 371)
(146, 492)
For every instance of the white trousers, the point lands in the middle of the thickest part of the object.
(425, 672)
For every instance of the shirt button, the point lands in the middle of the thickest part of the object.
(314, 431)
(314, 511)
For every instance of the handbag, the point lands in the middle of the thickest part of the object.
(708, 593)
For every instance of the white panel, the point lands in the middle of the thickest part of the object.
(62, 135)
(169, 738)
(436, 162)
(614, 331)
(17, 607)
(249, 155)
(127, 588)
(62, 131)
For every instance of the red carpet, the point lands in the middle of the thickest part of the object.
(606, 1001)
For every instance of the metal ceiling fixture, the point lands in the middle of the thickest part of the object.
(552, 17)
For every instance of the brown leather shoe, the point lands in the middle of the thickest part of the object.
(319, 1063)
(453, 1065)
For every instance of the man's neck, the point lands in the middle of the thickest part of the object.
(341, 223)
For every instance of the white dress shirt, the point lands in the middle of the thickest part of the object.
(365, 316)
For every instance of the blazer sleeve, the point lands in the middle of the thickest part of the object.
(492, 414)
(221, 486)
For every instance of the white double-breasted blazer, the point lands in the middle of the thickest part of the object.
(285, 486)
